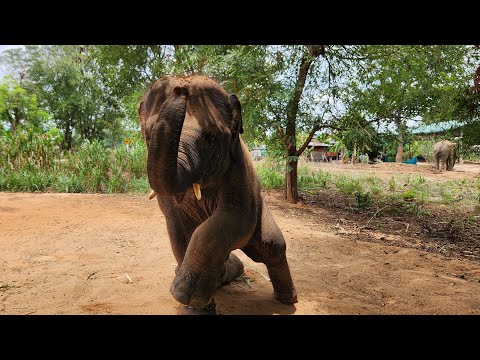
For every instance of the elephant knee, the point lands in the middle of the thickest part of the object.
(276, 254)
(276, 260)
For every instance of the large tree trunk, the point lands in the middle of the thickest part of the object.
(460, 145)
(290, 141)
(67, 140)
(401, 127)
(291, 182)
(399, 156)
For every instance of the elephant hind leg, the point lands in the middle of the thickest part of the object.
(278, 270)
(270, 248)
(450, 163)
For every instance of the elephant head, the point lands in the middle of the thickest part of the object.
(191, 127)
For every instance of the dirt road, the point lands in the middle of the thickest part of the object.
(110, 254)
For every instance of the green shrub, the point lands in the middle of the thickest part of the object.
(348, 185)
(392, 184)
(376, 185)
(409, 194)
(362, 200)
(269, 178)
(68, 183)
(32, 161)
(310, 179)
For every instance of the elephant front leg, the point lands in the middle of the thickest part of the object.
(208, 263)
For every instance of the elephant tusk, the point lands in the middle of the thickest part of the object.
(196, 189)
(152, 195)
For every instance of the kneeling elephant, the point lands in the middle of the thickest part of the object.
(206, 186)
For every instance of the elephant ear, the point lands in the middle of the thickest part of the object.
(237, 124)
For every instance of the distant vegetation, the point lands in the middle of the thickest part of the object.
(34, 161)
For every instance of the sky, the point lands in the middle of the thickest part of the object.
(2, 49)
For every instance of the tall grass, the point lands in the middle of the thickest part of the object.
(271, 177)
(33, 161)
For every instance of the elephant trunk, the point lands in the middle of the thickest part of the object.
(166, 174)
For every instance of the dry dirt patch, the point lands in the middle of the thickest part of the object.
(110, 254)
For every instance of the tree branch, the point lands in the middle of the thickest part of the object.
(312, 52)
(309, 138)
(331, 73)
(282, 136)
(274, 112)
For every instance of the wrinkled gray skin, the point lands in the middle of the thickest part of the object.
(444, 151)
(192, 128)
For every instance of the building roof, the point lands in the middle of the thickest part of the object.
(316, 143)
(438, 127)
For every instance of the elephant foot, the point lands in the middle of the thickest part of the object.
(195, 289)
(288, 297)
(233, 268)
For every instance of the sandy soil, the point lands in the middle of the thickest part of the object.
(466, 170)
(110, 254)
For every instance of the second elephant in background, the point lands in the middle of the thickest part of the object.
(444, 151)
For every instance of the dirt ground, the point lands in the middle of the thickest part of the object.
(110, 254)
(467, 170)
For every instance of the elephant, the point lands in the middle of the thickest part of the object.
(207, 188)
(445, 151)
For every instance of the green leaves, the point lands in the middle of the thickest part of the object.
(401, 83)
(18, 107)
(68, 84)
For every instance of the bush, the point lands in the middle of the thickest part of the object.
(32, 161)
(348, 186)
(269, 178)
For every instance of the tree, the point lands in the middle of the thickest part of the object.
(301, 97)
(70, 86)
(403, 83)
(466, 97)
(18, 107)
(356, 133)
(128, 70)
